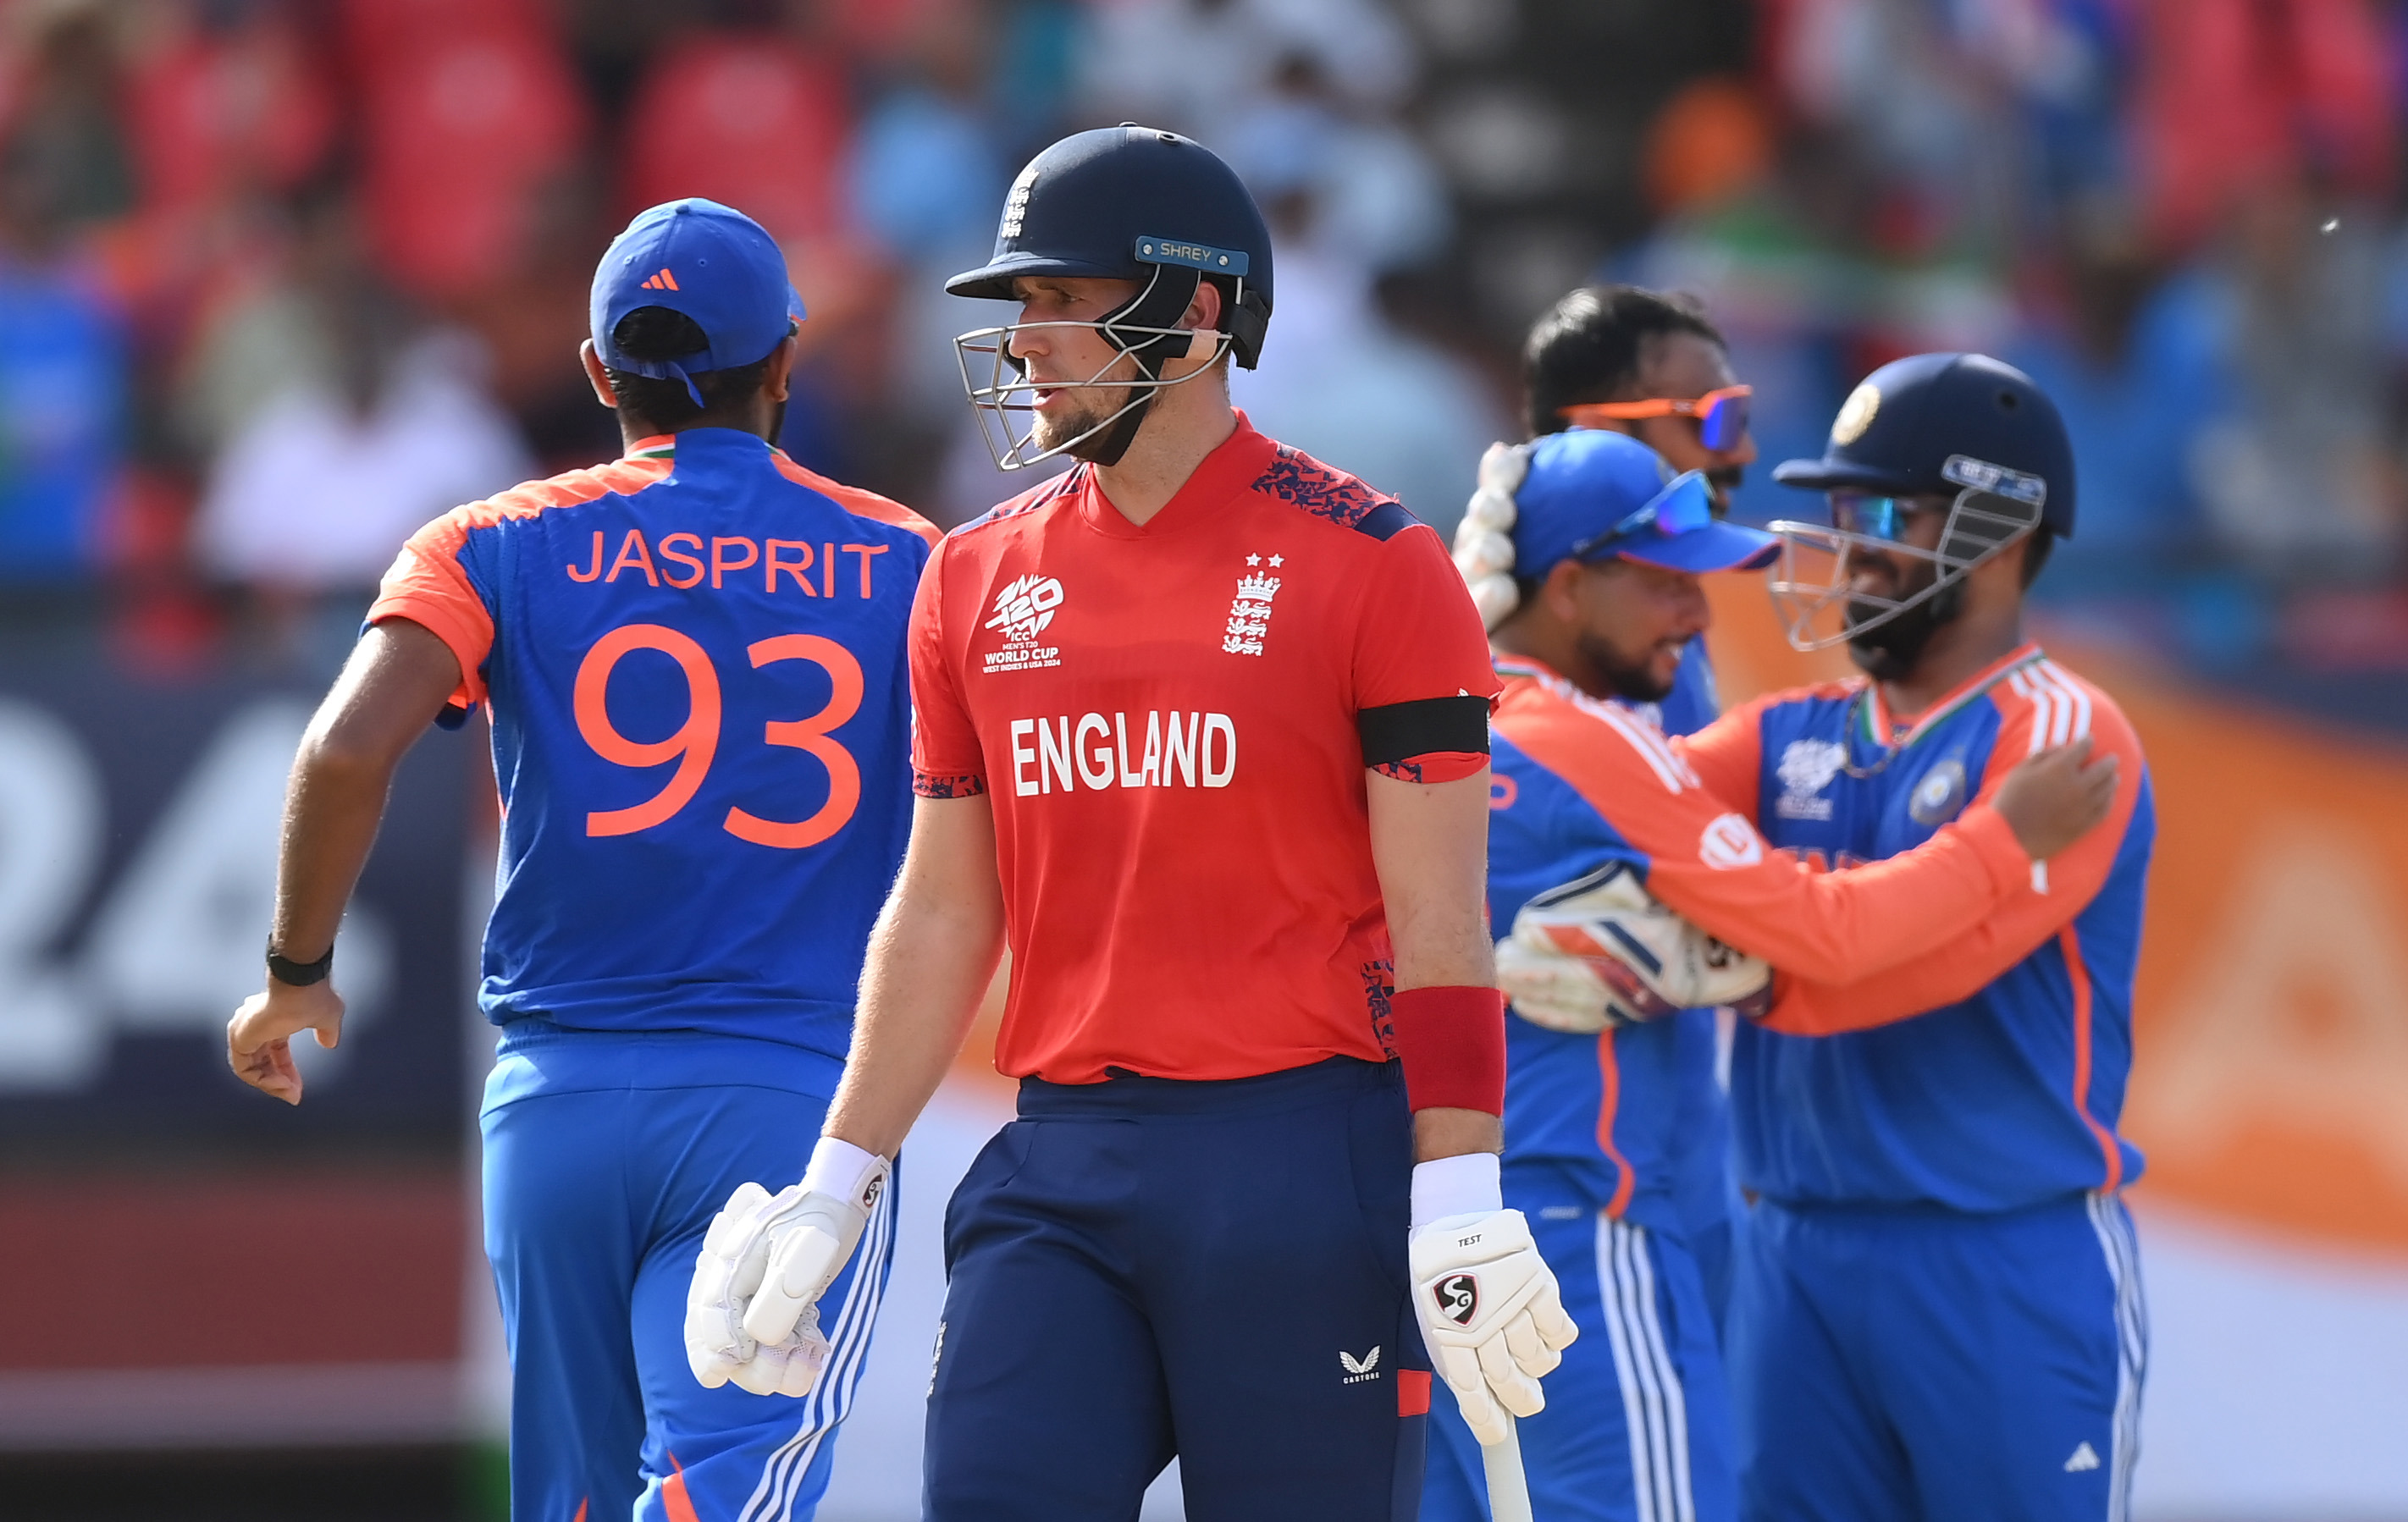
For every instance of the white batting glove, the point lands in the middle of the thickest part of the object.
(1491, 1314)
(751, 1313)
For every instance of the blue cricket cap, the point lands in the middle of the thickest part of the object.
(712, 263)
(1598, 494)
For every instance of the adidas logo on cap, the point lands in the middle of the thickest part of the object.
(663, 282)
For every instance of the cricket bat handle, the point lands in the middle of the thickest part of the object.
(1509, 1489)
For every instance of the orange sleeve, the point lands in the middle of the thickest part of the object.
(947, 760)
(855, 500)
(1727, 755)
(2048, 708)
(1709, 863)
(427, 585)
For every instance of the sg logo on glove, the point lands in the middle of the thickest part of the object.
(1459, 1298)
(1491, 1312)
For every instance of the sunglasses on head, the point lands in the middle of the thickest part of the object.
(1685, 506)
(1721, 414)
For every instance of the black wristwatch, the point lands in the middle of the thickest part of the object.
(300, 975)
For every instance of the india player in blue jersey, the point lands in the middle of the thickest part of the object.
(1937, 1311)
(694, 658)
(1586, 562)
(1649, 363)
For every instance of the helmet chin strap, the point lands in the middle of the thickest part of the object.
(1106, 447)
(1163, 300)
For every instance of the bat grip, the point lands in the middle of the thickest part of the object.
(1509, 1489)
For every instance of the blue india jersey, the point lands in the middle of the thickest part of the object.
(694, 662)
(1987, 1073)
(1633, 1119)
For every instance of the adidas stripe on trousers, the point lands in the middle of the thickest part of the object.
(606, 1157)
(1916, 1364)
(1637, 1426)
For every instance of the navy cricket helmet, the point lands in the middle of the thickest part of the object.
(1960, 426)
(1900, 429)
(1128, 202)
(1125, 203)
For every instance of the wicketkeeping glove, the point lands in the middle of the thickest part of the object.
(751, 1313)
(1602, 950)
(1491, 1314)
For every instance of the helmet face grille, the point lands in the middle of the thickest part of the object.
(1004, 400)
(1143, 330)
(1980, 525)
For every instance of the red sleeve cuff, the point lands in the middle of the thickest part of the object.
(1452, 1042)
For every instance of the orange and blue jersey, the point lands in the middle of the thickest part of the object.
(1986, 1071)
(695, 657)
(1579, 784)
(1700, 1131)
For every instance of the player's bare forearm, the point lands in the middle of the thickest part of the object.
(1451, 1133)
(391, 690)
(1430, 841)
(931, 957)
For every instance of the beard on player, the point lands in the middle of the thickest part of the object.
(1630, 677)
(1889, 650)
(1078, 410)
(1086, 407)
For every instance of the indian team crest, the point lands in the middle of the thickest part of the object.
(1938, 795)
(1022, 609)
(1855, 414)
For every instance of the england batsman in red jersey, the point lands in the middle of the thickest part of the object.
(1201, 730)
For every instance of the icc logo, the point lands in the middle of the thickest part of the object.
(1024, 607)
(1459, 1298)
(1807, 767)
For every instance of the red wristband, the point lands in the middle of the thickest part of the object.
(1452, 1042)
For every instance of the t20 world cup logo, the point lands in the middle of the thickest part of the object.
(1025, 606)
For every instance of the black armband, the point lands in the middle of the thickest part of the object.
(1395, 732)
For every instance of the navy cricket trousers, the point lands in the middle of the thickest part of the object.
(1147, 1267)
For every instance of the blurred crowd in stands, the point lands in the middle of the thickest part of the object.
(280, 279)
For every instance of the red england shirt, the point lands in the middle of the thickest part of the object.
(1165, 717)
